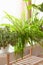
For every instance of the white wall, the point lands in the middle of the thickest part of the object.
(13, 7)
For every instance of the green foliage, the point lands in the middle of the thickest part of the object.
(25, 31)
(26, 0)
(7, 37)
(40, 6)
(21, 31)
(4, 37)
(36, 30)
(21, 27)
(29, 7)
(36, 27)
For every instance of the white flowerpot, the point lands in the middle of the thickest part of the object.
(8, 49)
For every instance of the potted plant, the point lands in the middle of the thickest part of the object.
(26, 30)
(23, 31)
(7, 38)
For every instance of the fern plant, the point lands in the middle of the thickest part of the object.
(21, 27)
(26, 31)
